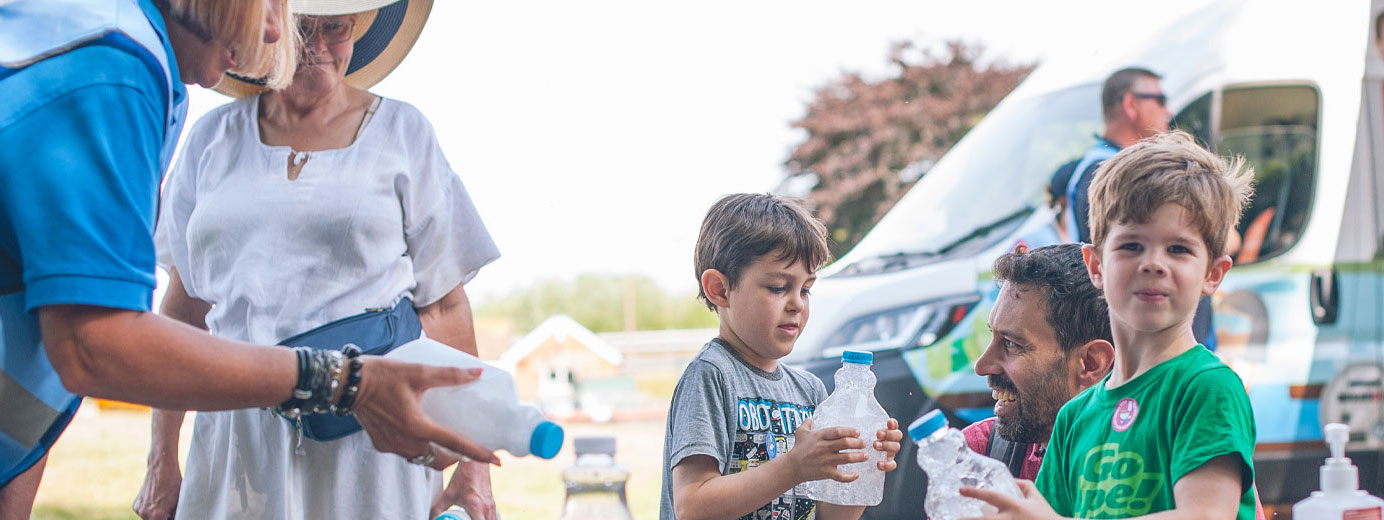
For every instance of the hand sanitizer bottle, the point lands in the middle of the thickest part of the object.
(1340, 497)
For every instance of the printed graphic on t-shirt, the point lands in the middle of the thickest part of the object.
(763, 431)
(1113, 484)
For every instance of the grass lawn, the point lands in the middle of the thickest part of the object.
(97, 466)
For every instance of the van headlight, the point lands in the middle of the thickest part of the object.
(915, 325)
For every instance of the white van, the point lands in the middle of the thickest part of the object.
(1295, 87)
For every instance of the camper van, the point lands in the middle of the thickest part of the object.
(1293, 87)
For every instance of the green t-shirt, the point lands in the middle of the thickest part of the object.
(1117, 453)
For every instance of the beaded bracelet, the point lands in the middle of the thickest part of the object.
(318, 372)
(348, 396)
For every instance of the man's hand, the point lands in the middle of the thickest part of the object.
(1031, 507)
(470, 489)
(888, 441)
(158, 497)
(817, 453)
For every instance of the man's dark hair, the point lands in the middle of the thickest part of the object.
(1119, 84)
(1076, 309)
(742, 227)
(1379, 26)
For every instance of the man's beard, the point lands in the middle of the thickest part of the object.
(1035, 409)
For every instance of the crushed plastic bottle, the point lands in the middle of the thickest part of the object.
(595, 484)
(486, 410)
(950, 464)
(853, 404)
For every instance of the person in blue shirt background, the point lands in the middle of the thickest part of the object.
(94, 102)
(1134, 107)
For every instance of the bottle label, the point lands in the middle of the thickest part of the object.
(1364, 513)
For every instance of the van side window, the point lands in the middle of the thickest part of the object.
(1275, 128)
(1195, 119)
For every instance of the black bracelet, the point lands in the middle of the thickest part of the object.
(348, 396)
(318, 371)
(303, 389)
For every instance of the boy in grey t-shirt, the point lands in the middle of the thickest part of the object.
(736, 408)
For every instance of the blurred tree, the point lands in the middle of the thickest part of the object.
(869, 141)
(599, 304)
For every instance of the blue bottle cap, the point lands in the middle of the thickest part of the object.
(862, 358)
(927, 424)
(546, 440)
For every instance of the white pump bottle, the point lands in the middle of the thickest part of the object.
(1340, 496)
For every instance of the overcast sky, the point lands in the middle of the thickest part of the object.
(593, 135)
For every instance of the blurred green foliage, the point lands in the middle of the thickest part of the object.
(599, 302)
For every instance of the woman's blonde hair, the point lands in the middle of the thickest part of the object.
(240, 24)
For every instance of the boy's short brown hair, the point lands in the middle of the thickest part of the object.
(1170, 168)
(742, 227)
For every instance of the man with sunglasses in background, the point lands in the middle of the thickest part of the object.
(1134, 107)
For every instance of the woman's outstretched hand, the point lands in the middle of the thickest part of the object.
(388, 408)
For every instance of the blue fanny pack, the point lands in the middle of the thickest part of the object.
(375, 331)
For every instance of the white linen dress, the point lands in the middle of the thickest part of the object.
(361, 227)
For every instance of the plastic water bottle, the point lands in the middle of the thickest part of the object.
(950, 464)
(453, 513)
(1340, 496)
(595, 484)
(853, 404)
(486, 410)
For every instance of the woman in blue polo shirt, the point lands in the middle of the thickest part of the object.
(93, 104)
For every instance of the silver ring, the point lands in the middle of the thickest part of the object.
(424, 459)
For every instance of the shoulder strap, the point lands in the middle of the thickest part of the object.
(1098, 153)
(1012, 454)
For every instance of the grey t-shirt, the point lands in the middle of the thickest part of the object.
(741, 416)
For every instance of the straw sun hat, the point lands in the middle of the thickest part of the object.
(385, 31)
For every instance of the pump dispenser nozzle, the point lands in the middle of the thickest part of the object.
(1340, 497)
(1338, 474)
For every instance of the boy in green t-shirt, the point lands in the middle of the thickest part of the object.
(1170, 432)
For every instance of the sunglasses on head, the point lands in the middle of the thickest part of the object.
(1160, 98)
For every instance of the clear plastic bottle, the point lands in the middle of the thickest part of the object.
(950, 464)
(1340, 496)
(595, 484)
(853, 404)
(486, 410)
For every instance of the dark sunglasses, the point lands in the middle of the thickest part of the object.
(1160, 98)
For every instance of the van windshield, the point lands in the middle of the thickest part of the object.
(985, 184)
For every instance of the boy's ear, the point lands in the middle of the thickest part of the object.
(1216, 274)
(1091, 256)
(716, 287)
